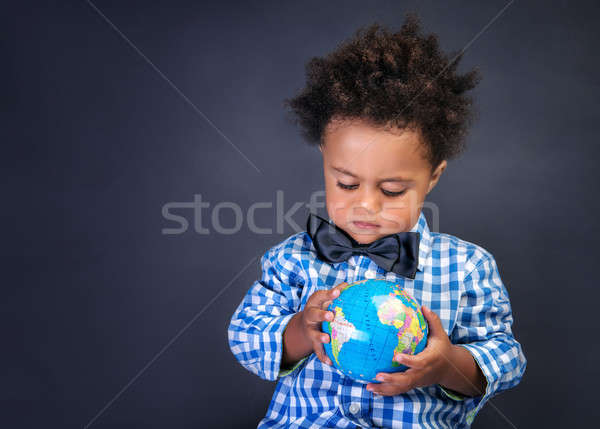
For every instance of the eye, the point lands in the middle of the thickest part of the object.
(392, 194)
(347, 187)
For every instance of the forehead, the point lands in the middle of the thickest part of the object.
(372, 151)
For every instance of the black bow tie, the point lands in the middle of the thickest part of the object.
(395, 252)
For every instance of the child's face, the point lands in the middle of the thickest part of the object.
(375, 176)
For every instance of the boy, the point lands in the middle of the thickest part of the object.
(387, 111)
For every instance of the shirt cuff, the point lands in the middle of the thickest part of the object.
(452, 394)
(284, 372)
(477, 402)
(272, 341)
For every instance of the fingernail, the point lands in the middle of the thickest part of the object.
(328, 316)
(380, 377)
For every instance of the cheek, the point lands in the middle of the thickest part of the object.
(337, 202)
(397, 211)
(395, 207)
(394, 218)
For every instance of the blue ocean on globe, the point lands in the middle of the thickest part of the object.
(373, 320)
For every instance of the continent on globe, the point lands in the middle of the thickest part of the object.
(341, 331)
(393, 311)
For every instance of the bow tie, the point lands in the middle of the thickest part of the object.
(398, 252)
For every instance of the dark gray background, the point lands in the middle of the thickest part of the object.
(95, 142)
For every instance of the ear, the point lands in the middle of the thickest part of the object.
(435, 177)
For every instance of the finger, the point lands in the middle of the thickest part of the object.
(384, 389)
(412, 361)
(325, 305)
(317, 336)
(316, 315)
(320, 352)
(402, 381)
(323, 298)
(318, 298)
(338, 288)
(434, 322)
(340, 285)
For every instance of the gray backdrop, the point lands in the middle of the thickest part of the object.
(109, 322)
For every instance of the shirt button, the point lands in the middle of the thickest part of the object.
(354, 408)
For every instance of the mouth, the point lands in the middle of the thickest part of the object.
(365, 225)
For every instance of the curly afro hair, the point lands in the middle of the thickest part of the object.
(389, 79)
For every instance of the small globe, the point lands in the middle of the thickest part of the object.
(373, 320)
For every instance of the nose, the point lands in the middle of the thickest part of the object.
(369, 200)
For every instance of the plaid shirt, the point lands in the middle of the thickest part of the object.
(456, 279)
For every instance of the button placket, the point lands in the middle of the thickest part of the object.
(349, 405)
(356, 271)
(353, 268)
(365, 269)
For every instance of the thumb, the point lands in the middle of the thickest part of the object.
(434, 322)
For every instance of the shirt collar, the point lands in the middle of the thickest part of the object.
(425, 243)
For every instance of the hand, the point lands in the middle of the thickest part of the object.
(425, 368)
(314, 313)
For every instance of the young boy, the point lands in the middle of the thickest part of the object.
(387, 111)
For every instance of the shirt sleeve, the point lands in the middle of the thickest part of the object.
(483, 327)
(256, 328)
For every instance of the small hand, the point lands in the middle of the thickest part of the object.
(314, 313)
(425, 368)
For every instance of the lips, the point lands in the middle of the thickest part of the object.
(365, 225)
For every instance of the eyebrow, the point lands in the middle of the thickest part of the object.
(389, 179)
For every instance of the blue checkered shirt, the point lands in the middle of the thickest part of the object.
(457, 279)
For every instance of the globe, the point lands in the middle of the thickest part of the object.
(373, 320)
